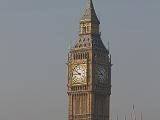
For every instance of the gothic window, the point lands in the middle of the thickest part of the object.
(88, 29)
(76, 56)
(80, 45)
(76, 104)
(83, 55)
(83, 29)
(86, 55)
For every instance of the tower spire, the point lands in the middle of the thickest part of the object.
(89, 34)
(89, 13)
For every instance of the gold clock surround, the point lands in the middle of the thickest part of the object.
(79, 74)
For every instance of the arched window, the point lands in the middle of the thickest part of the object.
(88, 29)
(74, 57)
(83, 29)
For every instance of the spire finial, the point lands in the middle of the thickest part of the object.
(108, 46)
(89, 12)
(134, 113)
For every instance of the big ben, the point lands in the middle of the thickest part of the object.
(89, 71)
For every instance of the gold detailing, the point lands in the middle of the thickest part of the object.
(85, 27)
(78, 75)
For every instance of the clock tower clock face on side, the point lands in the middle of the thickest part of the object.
(79, 74)
(101, 73)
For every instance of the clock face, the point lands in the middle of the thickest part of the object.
(101, 72)
(78, 73)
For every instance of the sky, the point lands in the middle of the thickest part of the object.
(34, 37)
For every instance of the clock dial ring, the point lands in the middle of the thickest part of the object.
(79, 74)
(101, 73)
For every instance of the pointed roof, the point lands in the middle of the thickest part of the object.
(89, 12)
(90, 40)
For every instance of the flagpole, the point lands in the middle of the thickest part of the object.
(125, 118)
(117, 117)
(131, 116)
(141, 116)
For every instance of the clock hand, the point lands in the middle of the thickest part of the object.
(78, 72)
(100, 73)
(75, 74)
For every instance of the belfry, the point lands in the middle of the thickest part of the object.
(89, 71)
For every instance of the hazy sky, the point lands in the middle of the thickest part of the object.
(34, 37)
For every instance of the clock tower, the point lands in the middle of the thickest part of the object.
(89, 71)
